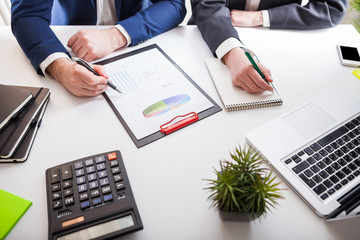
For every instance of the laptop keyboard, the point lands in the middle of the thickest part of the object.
(330, 163)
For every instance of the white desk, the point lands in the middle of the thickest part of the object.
(167, 175)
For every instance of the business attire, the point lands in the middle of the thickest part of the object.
(138, 19)
(213, 18)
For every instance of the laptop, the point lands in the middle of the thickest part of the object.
(316, 150)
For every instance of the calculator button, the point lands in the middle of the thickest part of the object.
(118, 177)
(84, 196)
(96, 201)
(108, 198)
(100, 159)
(79, 172)
(102, 174)
(80, 180)
(115, 170)
(72, 221)
(114, 163)
(84, 205)
(104, 181)
(95, 193)
(93, 185)
(120, 185)
(79, 165)
(112, 156)
(92, 177)
(89, 162)
(82, 188)
(68, 201)
(106, 190)
(55, 187)
(55, 175)
(56, 195)
(57, 204)
(100, 166)
(66, 173)
(68, 192)
(90, 169)
(67, 184)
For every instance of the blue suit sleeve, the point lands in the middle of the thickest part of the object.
(30, 24)
(160, 17)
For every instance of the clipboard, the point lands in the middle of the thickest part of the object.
(173, 124)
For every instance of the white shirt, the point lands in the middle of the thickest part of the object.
(231, 43)
(106, 15)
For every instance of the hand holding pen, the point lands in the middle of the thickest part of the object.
(85, 64)
(252, 61)
(243, 73)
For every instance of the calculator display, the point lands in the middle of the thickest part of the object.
(101, 229)
(91, 198)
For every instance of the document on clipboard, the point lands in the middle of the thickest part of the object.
(157, 98)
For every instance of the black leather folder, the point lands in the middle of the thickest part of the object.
(14, 132)
(12, 101)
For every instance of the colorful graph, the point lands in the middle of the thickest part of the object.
(166, 105)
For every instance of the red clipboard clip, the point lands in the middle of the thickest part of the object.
(187, 119)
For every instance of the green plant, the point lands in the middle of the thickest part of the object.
(242, 185)
(355, 4)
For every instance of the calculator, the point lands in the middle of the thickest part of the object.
(91, 198)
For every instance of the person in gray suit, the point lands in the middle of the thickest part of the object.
(216, 20)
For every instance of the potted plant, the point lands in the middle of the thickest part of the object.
(355, 4)
(242, 189)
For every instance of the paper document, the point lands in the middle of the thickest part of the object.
(154, 91)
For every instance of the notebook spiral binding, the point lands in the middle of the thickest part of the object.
(246, 106)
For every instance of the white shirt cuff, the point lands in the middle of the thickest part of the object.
(266, 18)
(226, 46)
(52, 57)
(125, 33)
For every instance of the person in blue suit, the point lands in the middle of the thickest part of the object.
(134, 21)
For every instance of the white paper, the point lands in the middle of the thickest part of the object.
(147, 78)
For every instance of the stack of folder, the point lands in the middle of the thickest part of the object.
(21, 111)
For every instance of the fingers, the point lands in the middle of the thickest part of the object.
(78, 80)
(244, 74)
(72, 40)
(266, 72)
(85, 79)
(250, 80)
(81, 44)
(83, 92)
(100, 70)
(86, 88)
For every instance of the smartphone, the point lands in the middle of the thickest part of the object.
(349, 55)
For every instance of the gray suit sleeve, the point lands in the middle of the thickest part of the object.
(212, 18)
(314, 15)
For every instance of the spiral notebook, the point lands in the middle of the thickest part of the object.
(234, 98)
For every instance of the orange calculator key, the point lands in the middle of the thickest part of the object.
(112, 156)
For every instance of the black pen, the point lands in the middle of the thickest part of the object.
(83, 63)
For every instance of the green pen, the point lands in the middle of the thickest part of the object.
(248, 55)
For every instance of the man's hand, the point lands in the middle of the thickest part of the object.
(246, 18)
(244, 75)
(91, 44)
(77, 79)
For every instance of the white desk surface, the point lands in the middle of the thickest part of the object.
(167, 175)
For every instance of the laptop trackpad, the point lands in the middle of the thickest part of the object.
(310, 120)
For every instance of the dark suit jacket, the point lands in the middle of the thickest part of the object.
(142, 19)
(213, 16)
